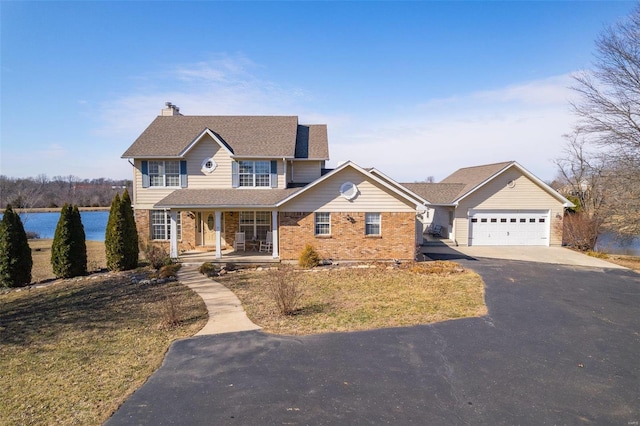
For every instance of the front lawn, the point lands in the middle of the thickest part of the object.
(73, 350)
(362, 297)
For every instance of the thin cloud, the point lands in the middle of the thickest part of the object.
(523, 122)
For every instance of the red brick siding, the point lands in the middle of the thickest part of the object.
(347, 240)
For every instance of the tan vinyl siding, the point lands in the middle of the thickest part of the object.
(326, 197)
(497, 195)
(145, 198)
(220, 177)
(306, 171)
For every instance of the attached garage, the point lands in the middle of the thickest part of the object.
(499, 204)
(509, 228)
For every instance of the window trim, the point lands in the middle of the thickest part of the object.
(254, 223)
(369, 222)
(166, 225)
(147, 181)
(325, 222)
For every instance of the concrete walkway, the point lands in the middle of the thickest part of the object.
(226, 314)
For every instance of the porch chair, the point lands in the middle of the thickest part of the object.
(239, 242)
(267, 245)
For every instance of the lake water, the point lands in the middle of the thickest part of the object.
(44, 224)
(608, 244)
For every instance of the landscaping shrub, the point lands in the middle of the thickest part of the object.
(157, 255)
(15, 254)
(284, 289)
(169, 271)
(69, 247)
(580, 231)
(209, 269)
(309, 258)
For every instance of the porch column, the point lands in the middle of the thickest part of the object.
(173, 230)
(274, 230)
(218, 234)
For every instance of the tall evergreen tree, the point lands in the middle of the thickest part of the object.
(79, 249)
(130, 231)
(114, 241)
(69, 251)
(15, 254)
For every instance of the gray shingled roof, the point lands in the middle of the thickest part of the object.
(198, 198)
(474, 176)
(245, 136)
(436, 193)
(456, 184)
(312, 142)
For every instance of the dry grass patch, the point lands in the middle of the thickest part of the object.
(361, 298)
(41, 254)
(73, 350)
(631, 262)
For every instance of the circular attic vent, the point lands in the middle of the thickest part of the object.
(208, 166)
(349, 190)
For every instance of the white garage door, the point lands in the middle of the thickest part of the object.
(509, 228)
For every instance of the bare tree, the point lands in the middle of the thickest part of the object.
(608, 113)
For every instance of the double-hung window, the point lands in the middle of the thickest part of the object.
(161, 225)
(323, 223)
(164, 173)
(254, 173)
(372, 224)
(255, 225)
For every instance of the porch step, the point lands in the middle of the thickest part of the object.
(440, 242)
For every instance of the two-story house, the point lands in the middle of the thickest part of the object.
(199, 180)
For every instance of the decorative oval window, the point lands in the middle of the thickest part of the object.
(511, 183)
(208, 166)
(349, 190)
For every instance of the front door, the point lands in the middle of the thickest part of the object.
(209, 227)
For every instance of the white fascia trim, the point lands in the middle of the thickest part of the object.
(401, 187)
(357, 168)
(200, 136)
(528, 174)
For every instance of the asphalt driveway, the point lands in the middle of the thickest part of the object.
(560, 345)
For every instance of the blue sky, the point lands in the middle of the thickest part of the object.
(415, 89)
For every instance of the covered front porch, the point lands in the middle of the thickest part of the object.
(223, 234)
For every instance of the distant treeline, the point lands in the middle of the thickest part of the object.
(44, 192)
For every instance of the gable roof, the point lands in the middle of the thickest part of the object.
(467, 180)
(387, 183)
(474, 176)
(243, 136)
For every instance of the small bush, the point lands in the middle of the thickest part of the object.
(309, 258)
(32, 235)
(209, 269)
(157, 256)
(169, 271)
(284, 289)
(170, 309)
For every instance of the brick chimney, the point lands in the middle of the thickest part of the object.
(170, 110)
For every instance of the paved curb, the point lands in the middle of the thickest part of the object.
(226, 314)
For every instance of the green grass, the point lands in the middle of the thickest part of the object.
(72, 351)
(349, 299)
